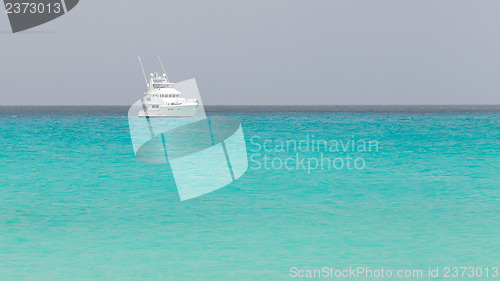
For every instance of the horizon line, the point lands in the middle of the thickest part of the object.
(261, 105)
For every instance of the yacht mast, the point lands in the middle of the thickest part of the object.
(163, 68)
(143, 73)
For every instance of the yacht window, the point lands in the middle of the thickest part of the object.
(158, 86)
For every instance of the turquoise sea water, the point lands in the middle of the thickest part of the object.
(77, 205)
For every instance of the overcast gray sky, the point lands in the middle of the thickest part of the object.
(260, 52)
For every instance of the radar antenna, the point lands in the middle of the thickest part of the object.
(143, 73)
(163, 68)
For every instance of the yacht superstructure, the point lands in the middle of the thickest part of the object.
(163, 100)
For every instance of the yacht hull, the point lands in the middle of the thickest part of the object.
(170, 111)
